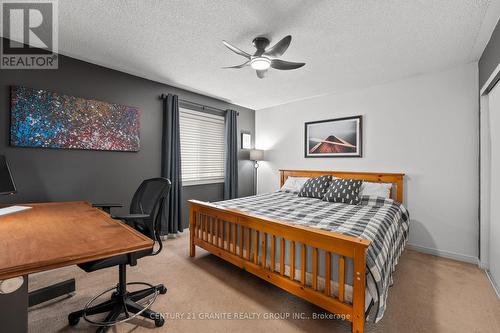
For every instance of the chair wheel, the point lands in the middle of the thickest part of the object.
(159, 322)
(73, 320)
(162, 290)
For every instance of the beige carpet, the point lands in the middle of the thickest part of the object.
(430, 294)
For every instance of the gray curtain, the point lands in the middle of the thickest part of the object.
(231, 150)
(171, 222)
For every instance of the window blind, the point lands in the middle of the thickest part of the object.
(202, 147)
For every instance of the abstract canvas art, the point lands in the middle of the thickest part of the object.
(41, 118)
(333, 138)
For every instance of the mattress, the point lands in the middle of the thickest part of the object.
(382, 221)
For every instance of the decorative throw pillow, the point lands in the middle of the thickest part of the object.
(316, 187)
(375, 189)
(344, 190)
(294, 184)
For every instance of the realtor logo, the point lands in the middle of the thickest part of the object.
(29, 31)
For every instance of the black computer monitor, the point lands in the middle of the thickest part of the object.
(7, 185)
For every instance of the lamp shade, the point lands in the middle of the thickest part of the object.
(256, 155)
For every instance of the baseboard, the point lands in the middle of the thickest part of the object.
(459, 257)
(445, 254)
(171, 236)
(493, 284)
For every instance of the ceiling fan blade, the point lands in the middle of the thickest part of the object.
(261, 73)
(239, 66)
(279, 48)
(236, 50)
(285, 65)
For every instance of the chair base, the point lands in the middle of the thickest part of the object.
(121, 302)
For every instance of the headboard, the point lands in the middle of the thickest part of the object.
(396, 179)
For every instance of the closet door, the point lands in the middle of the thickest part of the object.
(494, 241)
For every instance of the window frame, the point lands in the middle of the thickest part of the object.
(204, 113)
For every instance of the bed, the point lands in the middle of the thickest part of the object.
(339, 257)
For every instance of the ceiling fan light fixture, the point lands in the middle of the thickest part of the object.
(260, 63)
(265, 58)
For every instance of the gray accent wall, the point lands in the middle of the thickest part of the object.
(43, 175)
(490, 58)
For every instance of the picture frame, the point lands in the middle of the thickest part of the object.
(246, 140)
(339, 137)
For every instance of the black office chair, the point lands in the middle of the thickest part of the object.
(145, 215)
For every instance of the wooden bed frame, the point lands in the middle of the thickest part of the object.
(218, 230)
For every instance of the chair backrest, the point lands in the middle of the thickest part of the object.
(149, 199)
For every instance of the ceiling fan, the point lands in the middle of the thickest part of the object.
(262, 59)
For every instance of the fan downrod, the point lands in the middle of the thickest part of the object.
(261, 43)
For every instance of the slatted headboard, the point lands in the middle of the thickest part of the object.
(396, 179)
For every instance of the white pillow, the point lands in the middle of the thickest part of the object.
(294, 184)
(376, 189)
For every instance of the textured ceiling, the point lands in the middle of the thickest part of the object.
(347, 44)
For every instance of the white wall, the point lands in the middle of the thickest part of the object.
(424, 126)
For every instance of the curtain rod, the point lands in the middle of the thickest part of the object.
(203, 107)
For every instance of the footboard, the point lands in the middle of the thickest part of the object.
(241, 239)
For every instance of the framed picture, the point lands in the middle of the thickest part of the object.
(339, 137)
(246, 141)
(47, 119)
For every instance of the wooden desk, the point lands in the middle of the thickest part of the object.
(54, 235)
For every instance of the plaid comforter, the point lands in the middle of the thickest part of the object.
(382, 221)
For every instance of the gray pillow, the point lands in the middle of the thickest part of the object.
(316, 187)
(344, 190)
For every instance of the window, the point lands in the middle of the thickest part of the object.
(202, 147)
